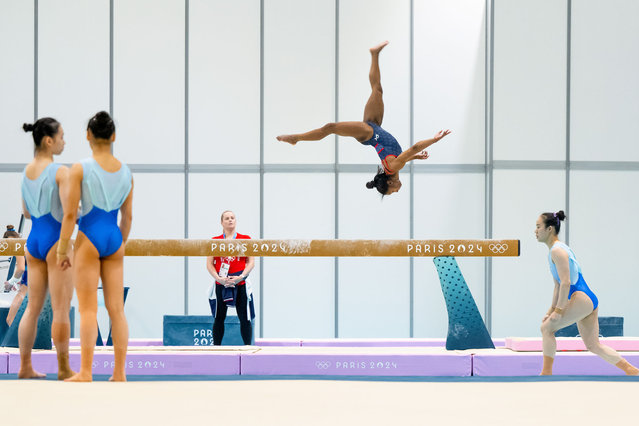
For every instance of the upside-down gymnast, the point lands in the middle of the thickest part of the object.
(105, 187)
(572, 300)
(43, 183)
(369, 132)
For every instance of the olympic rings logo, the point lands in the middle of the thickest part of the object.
(322, 365)
(498, 248)
(3, 246)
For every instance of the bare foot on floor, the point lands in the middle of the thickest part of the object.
(30, 373)
(632, 371)
(118, 378)
(80, 377)
(376, 49)
(65, 374)
(288, 138)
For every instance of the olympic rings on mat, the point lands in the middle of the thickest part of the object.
(322, 365)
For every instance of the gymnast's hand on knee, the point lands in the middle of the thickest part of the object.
(554, 317)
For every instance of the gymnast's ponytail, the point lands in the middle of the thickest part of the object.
(554, 220)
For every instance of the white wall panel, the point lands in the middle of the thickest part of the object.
(149, 80)
(374, 297)
(447, 206)
(157, 283)
(604, 84)
(299, 78)
(11, 205)
(298, 292)
(375, 21)
(16, 80)
(73, 70)
(603, 234)
(530, 80)
(224, 82)
(209, 195)
(523, 286)
(449, 77)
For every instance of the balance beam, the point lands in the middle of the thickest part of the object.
(305, 248)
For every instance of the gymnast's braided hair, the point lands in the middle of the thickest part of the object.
(554, 220)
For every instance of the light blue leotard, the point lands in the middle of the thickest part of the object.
(103, 193)
(42, 199)
(577, 282)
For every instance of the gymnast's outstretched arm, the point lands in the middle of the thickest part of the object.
(416, 151)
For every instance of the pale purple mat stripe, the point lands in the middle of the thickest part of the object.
(401, 342)
(4, 363)
(278, 342)
(132, 342)
(535, 344)
(529, 364)
(357, 364)
(143, 363)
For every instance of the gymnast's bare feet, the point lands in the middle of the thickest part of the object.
(376, 49)
(80, 377)
(119, 377)
(292, 139)
(30, 373)
(628, 368)
(65, 373)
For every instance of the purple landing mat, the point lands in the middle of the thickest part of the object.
(400, 342)
(145, 363)
(506, 363)
(132, 342)
(4, 363)
(278, 342)
(369, 364)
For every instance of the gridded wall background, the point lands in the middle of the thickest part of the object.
(542, 97)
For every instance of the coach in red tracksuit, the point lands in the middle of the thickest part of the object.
(230, 286)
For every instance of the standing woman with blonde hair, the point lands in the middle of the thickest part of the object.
(43, 183)
(573, 301)
(105, 186)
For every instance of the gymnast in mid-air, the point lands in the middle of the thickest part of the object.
(369, 132)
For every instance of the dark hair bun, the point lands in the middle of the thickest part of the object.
(10, 228)
(28, 127)
(103, 117)
(561, 215)
(370, 185)
(101, 125)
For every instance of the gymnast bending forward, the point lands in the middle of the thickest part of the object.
(572, 301)
(369, 132)
(105, 187)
